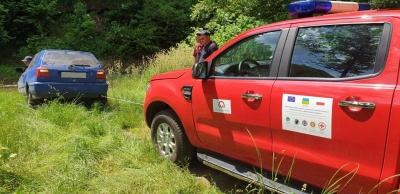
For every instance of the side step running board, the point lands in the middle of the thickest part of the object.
(243, 173)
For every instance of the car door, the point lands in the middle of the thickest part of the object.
(231, 107)
(331, 102)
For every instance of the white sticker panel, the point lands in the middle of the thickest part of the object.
(307, 114)
(73, 74)
(222, 106)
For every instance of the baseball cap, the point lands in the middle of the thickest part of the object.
(203, 32)
(27, 58)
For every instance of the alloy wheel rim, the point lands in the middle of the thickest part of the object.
(166, 140)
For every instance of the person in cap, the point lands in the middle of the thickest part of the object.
(26, 61)
(208, 46)
(197, 48)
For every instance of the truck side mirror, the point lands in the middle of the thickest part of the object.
(199, 70)
(19, 70)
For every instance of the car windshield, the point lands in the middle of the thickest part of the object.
(69, 58)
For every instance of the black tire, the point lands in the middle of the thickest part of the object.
(32, 102)
(170, 138)
(103, 101)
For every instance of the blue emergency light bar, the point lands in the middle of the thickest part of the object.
(325, 6)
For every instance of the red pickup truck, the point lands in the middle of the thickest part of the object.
(315, 100)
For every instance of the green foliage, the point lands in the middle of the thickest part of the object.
(79, 30)
(270, 11)
(29, 17)
(25, 19)
(8, 71)
(225, 26)
(228, 18)
(385, 4)
(122, 30)
(8, 75)
(147, 31)
(4, 37)
(126, 30)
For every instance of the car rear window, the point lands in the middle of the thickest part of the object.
(338, 51)
(59, 58)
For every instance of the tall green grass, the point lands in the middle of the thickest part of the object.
(70, 148)
(8, 75)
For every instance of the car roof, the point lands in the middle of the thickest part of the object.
(346, 15)
(61, 50)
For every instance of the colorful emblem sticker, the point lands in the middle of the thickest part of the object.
(304, 123)
(313, 115)
(222, 106)
(312, 124)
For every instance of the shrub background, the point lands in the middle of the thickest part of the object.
(125, 31)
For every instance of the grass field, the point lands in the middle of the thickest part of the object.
(70, 148)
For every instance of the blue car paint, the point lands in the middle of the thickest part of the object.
(42, 88)
(54, 89)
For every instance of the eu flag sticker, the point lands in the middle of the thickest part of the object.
(305, 101)
(291, 99)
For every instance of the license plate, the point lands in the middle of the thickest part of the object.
(73, 74)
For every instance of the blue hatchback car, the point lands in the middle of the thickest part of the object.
(63, 73)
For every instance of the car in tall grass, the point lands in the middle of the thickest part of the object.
(63, 73)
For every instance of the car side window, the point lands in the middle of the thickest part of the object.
(338, 51)
(250, 57)
(32, 63)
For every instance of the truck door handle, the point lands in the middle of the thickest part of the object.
(252, 96)
(357, 104)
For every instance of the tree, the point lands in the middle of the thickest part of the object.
(381, 4)
(227, 18)
(24, 19)
(4, 37)
(129, 29)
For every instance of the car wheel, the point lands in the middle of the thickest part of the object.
(170, 138)
(103, 101)
(31, 101)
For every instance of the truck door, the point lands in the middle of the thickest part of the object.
(231, 108)
(331, 103)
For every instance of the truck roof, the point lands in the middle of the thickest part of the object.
(355, 14)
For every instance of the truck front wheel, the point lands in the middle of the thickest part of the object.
(170, 138)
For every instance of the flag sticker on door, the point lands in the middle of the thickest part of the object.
(291, 99)
(309, 115)
(222, 106)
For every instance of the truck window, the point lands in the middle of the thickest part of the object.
(250, 57)
(338, 51)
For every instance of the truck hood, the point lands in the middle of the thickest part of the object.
(171, 75)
